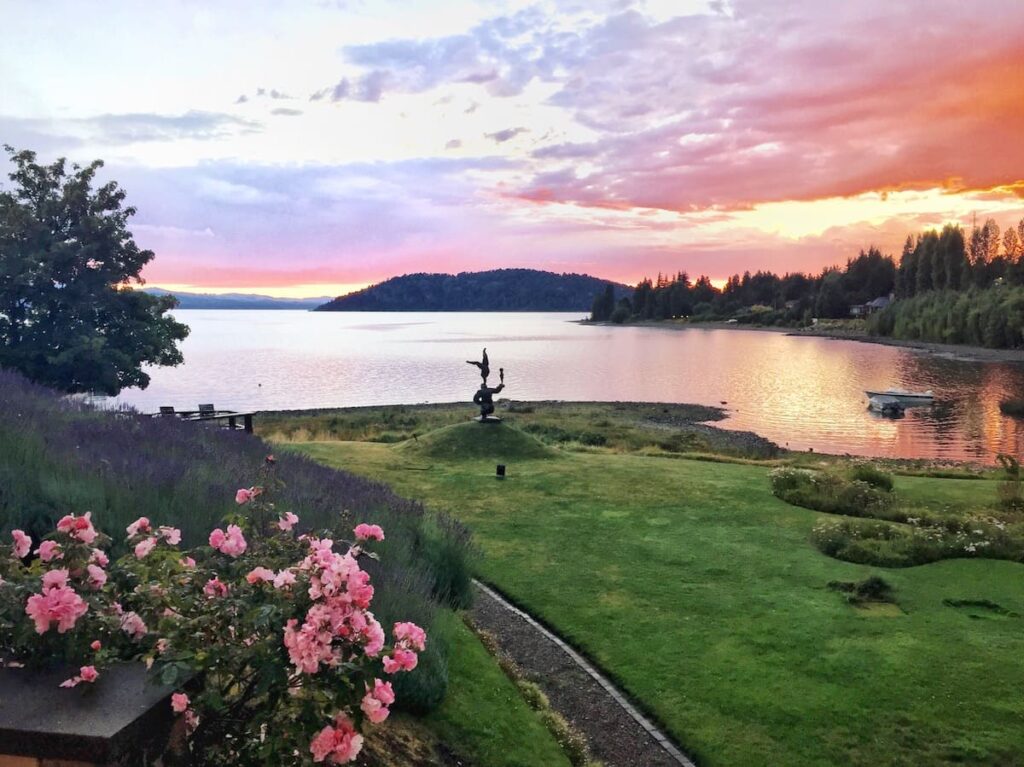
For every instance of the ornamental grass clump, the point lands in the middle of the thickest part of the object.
(268, 634)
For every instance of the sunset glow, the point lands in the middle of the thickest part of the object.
(339, 144)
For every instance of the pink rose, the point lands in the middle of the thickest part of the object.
(231, 543)
(55, 579)
(376, 701)
(79, 528)
(215, 587)
(22, 544)
(365, 532)
(133, 625)
(85, 674)
(170, 534)
(374, 637)
(60, 605)
(188, 563)
(179, 702)
(375, 711)
(49, 550)
(243, 496)
(403, 660)
(143, 547)
(96, 645)
(97, 576)
(140, 525)
(339, 743)
(287, 522)
(260, 574)
(284, 579)
(99, 558)
(411, 635)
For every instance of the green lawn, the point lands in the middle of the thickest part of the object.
(699, 592)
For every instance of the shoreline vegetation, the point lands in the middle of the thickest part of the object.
(947, 288)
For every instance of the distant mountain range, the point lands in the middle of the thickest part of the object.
(237, 300)
(520, 290)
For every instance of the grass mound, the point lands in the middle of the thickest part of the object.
(471, 441)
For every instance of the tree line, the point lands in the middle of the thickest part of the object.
(946, 261)
(991, 317)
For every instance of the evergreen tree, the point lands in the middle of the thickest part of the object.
(978, 255)
(906, 276)
(832, 301)
(604, 305)
(923, 257)
(953, 255)
(703, 291)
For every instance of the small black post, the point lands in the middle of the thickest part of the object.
(501, 471)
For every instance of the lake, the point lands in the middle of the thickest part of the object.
(801, 392)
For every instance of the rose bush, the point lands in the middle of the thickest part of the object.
(269, 635)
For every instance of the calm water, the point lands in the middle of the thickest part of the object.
(800, 392)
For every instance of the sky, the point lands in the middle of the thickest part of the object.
(308, 149)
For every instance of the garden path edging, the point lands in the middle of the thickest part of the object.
(617, 724)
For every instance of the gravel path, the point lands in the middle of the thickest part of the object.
(617, 733)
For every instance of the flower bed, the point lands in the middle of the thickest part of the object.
(289, 663)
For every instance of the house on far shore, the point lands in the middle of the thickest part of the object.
(863, 310)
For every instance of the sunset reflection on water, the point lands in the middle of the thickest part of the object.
(800, 392)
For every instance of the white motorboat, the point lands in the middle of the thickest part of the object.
(904, 396)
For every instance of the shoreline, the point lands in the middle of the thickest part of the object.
(949, 351)
(705, 420)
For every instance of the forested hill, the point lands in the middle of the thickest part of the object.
(493, 291)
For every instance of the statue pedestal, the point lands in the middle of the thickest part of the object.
(487, 419)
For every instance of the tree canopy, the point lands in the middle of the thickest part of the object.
(69, 317)
(495, 290)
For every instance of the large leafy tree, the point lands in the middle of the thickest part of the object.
(69, 316)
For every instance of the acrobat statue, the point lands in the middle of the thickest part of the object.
(484, 365)
(484, 397)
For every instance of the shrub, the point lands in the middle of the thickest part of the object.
(883, 544)
(866, 472)
(830, 492)
(271, 630)
(785, 479)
